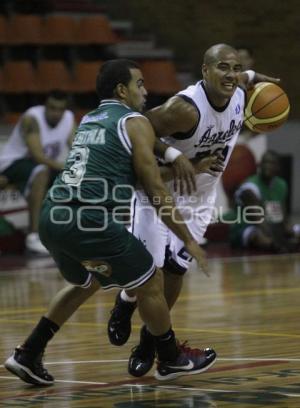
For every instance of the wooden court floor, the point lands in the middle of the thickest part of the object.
(248, 310)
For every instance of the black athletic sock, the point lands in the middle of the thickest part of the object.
(166, 346)
(39, 337)
(147, 340)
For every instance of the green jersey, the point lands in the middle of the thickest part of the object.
(99, 168)
(81, 220)
(273, 196)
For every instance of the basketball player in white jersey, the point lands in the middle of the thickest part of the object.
(31, 156)
(203, 120)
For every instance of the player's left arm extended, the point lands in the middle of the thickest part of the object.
(250, 77)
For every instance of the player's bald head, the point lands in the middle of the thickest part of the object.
(217, 52)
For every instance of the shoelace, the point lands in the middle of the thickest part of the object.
(123, 314)
(39, 367)
(38, 364)
(183, 347)
(140, 351)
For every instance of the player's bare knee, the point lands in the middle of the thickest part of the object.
(40, 180)
(43, 175)
(153, 287)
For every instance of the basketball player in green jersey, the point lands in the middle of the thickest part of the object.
(80, 226)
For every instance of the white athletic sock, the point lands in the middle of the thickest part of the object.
(127, 298)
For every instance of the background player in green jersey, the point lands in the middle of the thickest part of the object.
(265, 225)
(112, 150)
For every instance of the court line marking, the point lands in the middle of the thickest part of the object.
(262, 359)
(132, 383)
(178, 329)
(164, 387)
(256, 258)
(104, 305)
(4, 377)
(179, 388)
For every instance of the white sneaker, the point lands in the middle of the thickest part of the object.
(33, 244)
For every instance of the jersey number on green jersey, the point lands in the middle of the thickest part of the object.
(77, 160)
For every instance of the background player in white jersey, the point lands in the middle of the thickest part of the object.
(204, 119)
(32, 155)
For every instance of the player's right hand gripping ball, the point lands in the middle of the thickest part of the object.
(267, 107)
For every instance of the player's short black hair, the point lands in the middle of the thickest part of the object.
(112, 73)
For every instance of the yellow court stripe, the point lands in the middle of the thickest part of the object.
(177, 329)
(245, 293)
(43, 309)
(236, 332)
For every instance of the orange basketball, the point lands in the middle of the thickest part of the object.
(267, 107)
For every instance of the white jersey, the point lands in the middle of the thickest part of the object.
(217, 130)
(53, 139)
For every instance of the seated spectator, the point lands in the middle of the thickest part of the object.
(260, 215)
(30, 159)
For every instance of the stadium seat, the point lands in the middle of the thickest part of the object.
(85, 74)
(19, 77)
(240, 166)
(59, 30)
(76, 6)
(95, 30)
(1, 80)
(3, 29)
(160, 77)
(24, 29)
(53, 75)
(11, 118)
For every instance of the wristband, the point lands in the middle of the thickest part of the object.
(251, 74)
(171, 154)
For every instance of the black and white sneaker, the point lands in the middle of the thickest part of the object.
(189, 361)
(29, 369)
(142, 356)
(140, 361)
(119, 324)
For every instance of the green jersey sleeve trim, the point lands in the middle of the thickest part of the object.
(122, 132)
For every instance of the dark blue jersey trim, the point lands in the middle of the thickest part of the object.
(216, 108)
(245, 96)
